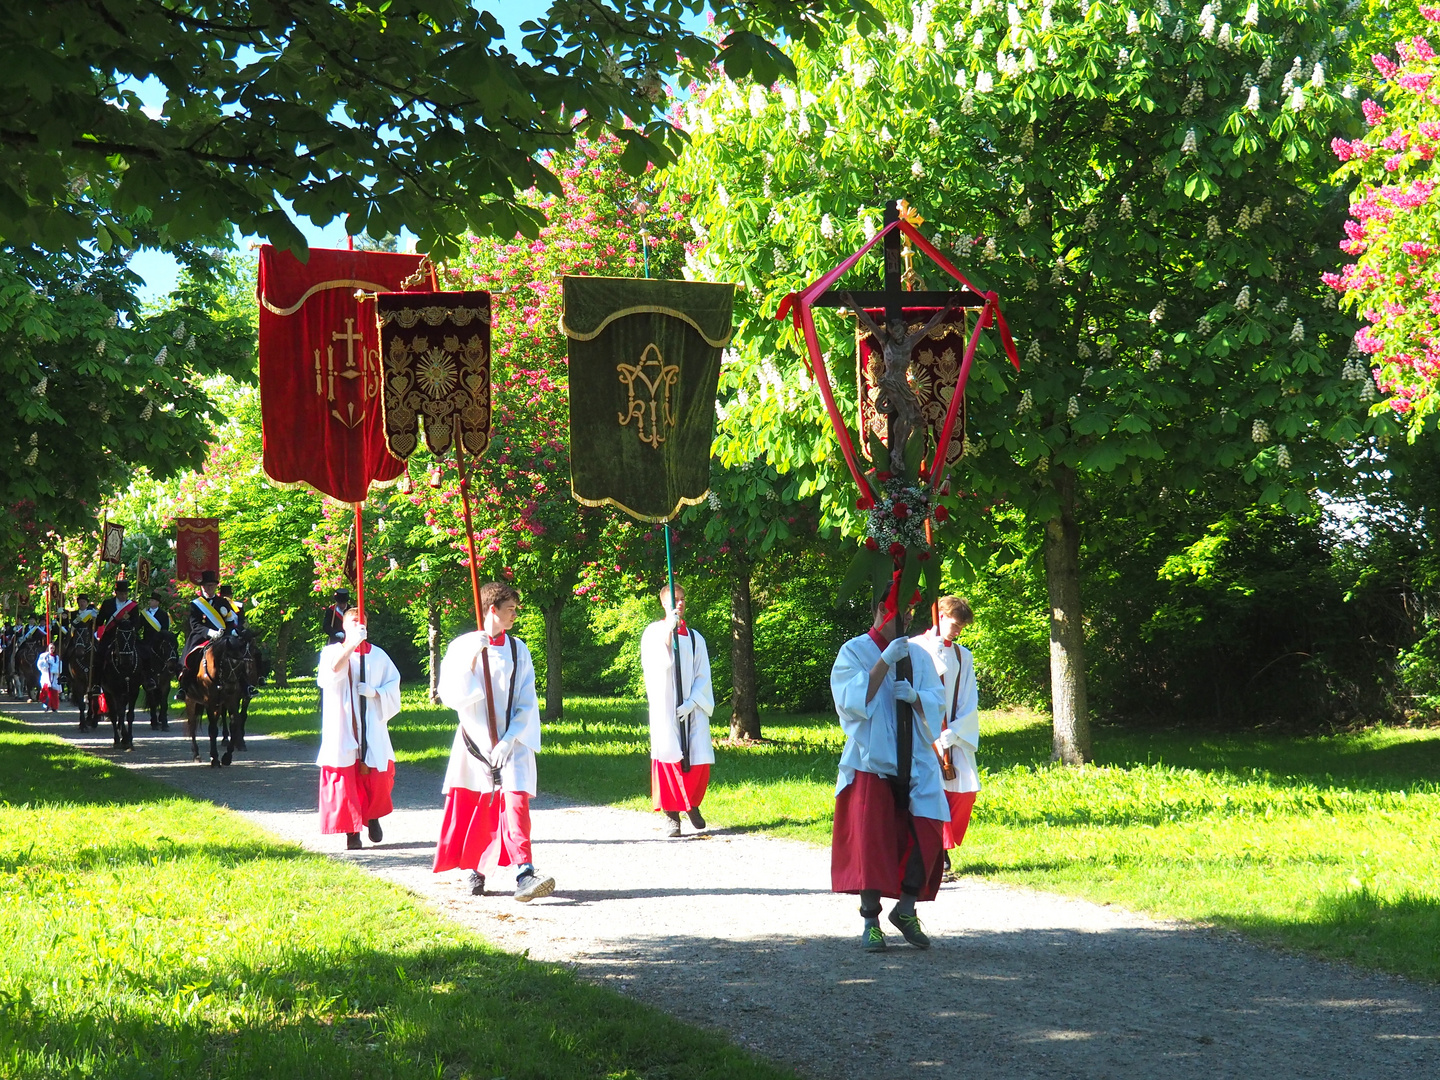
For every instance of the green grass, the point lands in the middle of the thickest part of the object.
(146, 935)
(1326, 843)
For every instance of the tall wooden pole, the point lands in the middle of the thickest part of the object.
(469, 526)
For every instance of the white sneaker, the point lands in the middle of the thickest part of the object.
(532, 886)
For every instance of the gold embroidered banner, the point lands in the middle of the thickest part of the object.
(435, 352)
(644, 364)
(934, 371)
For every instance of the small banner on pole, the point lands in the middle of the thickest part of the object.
(644, 366)
(112, 540)
(197, 547)
(435, 354)
(320, 409)
(142, 573)
(934, 373)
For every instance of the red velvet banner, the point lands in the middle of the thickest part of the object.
(320, 410)
(197, 547)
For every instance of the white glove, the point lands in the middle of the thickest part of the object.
(896, 651)
(215, 634)
(672, 618)
(364, 689)
(501, 752)
(355, 634)
(948, 740)
(686, 708)
(904, 691)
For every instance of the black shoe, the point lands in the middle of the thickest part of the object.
(476, 883)
(696, 818)
(352, 842)
(674, 827)
(374, 829)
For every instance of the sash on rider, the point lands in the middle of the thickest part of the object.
(208, 610)
(154, 622)
(120, 614)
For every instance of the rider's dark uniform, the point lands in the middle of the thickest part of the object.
(204, 615)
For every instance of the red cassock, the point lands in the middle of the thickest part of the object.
(350, 799)
(320, 408)
(481, 831)
(961, 804)
(671, 789)
(872, 841)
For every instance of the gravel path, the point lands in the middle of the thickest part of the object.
(741, 933)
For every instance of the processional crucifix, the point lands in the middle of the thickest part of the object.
(897, 401)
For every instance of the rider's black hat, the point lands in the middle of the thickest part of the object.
(155, 595)
(342, 594)
(209, 577)
(121, 585)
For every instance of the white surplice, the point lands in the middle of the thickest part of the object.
(657, 659)
(49, 668)
(462, 687)
(956, 668)
(870, 727)
(340, 708)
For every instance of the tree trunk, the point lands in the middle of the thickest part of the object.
(282, 652)
(433, 640)
(744, 716)
(1067, 629)
(554, 690)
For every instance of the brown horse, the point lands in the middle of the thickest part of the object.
(216, 689)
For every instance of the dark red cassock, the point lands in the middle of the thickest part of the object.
(320, 373)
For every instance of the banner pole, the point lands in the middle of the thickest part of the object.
(675, 653)
(469, 527)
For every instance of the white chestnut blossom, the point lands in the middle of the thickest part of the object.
(1190, 144)
(1297, 332)
(1283, 457)
(1072, 409)
(1252, 14)
(1242, 301)
(1126, 210)
(1260, 432)
(1132, 23)
(1252, 103)
(1027, 402)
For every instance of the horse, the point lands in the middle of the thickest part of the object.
(252, 675)
(216, 688)
(84, 686)
(27, 675)
(162, 664)
(121, 675)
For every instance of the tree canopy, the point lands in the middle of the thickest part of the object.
(403, 113)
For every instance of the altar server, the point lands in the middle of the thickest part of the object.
(50, 666)
(357, 762)
(673, 787)
(488, 678)
(959, 736)
(886, 840)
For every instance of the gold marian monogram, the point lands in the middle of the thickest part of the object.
(659, 380)
(367, 371)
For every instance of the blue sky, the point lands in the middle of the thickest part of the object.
(159, 270)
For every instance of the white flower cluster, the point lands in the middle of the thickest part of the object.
(990, 253)
(161, 355)
(1132, 23)
(42, 386)
(713, 500)
(1283, 306)
(1207, 22)
(1023, 217)
(179, 334)
(1122, 58)
(1191, 143)
(1157, 312)
(1178, 34)
(1091, 221)
(1242, 299)
(1226, 38)
(1252, 103)
(1072, 409)
(190, 344)
(112, 321)
(1106, 350)
(1297, 332)
(1252, 14)
(100, 347)
(1154, 360)
(1082, 350)
(1283, 457)
(1057, 275)
(1127, 211)
(1353, 371)
(917, 170)
(1367, 391)
(1027, 138)
(1194, 99)
(1203, 326)
(1027, 402)
(148, 411)
(32, 457)
(827, 227)
(1260, 432)
(1212, 227)
(1032, 354)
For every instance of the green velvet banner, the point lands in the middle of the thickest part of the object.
(644, 365)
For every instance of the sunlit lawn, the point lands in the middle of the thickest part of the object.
(1330, 843)
(149, 935)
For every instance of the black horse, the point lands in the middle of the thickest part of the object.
(121, 675)
(162, 664)
(84, 679)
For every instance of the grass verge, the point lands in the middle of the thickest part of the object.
(147, 935)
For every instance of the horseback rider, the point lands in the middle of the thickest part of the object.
(238, 606)
(154, 621)
(333, 622)
(210, 616)
(116, 609)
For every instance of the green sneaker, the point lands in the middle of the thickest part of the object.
(909, 926)
(872, 940)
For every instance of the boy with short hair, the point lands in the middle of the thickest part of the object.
(488, 678)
